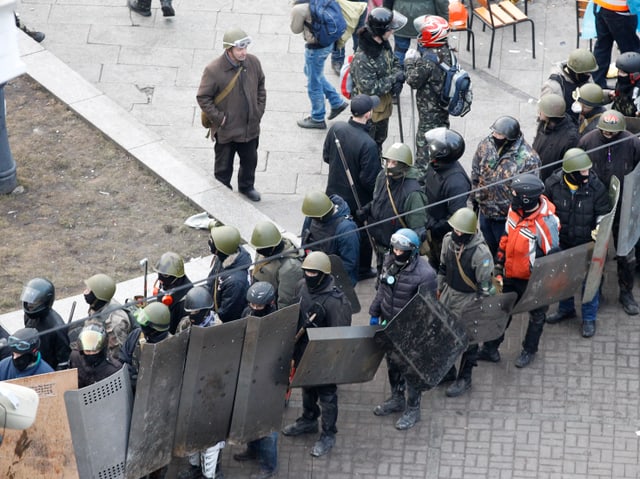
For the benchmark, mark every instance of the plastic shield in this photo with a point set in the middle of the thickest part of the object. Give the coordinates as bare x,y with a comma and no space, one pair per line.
555,277
343,281
156,405
99,439
425,338
341,355
599,256
264,375
209,386
629,230
486,318
44,449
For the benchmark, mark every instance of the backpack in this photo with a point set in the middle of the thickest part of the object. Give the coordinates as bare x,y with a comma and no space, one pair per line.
456,94
327,22
346,82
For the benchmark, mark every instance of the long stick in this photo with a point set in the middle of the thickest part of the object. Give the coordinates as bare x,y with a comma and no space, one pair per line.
400,120
413,122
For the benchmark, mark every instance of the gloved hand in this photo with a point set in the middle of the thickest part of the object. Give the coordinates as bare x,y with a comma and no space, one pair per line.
594,232
396,88
360,215
400,77
316,316
498,273
374,320
412,54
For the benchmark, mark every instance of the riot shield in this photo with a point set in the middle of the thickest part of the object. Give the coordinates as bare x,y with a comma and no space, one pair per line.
599,256
341,355
425,338
44,449
99,439
629,229
264,375
343,281
555,277
486,318
209,386
156,405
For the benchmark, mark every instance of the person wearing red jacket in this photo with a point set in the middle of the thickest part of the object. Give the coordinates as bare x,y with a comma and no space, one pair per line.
532,230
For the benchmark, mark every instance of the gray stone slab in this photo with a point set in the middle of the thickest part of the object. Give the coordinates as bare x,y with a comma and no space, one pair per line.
156,56
142,76
70,53
89,14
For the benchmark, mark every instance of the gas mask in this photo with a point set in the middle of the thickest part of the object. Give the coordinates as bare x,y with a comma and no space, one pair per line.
576,107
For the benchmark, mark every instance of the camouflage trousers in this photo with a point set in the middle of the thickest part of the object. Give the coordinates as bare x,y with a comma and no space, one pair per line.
427,122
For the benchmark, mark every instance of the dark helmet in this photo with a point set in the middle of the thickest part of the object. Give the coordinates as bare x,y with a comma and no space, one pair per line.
317,261
103,286
405,239
197,299
612,121
156,316
38,296
382,20
444,145
507,126
629,62
575,159
464,220
261,293
170,264
25,340
93,337
265,235
528,187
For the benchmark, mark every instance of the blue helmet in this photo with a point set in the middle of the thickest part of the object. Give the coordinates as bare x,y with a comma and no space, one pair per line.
405,239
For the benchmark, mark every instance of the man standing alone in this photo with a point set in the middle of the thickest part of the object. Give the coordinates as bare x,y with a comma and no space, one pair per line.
233,98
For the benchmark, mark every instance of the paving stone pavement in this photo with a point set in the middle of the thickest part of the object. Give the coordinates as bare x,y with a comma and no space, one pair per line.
574,413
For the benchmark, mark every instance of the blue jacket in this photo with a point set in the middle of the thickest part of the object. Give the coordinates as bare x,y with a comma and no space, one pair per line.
9,371
339,231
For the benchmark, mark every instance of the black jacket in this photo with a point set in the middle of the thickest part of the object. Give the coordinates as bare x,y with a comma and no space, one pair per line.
88,375
552,140
178,291
444,182
54,346
578,212
361,154
229,289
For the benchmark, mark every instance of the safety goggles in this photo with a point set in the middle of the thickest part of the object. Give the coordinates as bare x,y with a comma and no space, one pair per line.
401,242
243,42
17,344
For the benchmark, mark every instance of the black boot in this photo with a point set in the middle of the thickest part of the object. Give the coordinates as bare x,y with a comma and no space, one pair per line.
37,36
167,8
141,7
396,403
459,387
449,377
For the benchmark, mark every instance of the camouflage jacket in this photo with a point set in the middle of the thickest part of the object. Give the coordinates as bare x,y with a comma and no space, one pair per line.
490,166
374,70
427,78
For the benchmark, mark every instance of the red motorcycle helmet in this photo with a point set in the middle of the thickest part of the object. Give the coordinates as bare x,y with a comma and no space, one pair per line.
432,30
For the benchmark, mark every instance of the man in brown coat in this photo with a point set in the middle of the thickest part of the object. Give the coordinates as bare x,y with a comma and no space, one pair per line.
233,97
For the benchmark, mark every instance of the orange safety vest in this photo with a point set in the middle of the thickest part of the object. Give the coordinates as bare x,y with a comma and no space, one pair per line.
615,5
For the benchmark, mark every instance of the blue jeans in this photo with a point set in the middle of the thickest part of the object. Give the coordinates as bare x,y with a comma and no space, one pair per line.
318,87
589,310
492,230
266,450
338,54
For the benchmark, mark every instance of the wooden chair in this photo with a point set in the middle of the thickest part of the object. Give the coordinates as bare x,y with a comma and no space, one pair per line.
581,8
500,15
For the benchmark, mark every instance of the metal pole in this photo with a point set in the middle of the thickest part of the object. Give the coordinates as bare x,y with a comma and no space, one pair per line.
8,178
400,119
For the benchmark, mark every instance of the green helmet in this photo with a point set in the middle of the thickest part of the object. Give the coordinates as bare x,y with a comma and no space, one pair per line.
590,94
226,239
464,220
317,261
265,235
170,264
156,315
582,61
612,120
235,37
552,105
399,152
316,204
103,286
575,159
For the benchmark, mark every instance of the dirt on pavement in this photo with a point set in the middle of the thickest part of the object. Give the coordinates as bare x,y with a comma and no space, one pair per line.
87,207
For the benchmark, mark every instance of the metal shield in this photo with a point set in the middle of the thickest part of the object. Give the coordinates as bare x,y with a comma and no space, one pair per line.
156,405
209,386
341,355
629,229
99,439
264,375
425,338
486,318
343,281
44,449
555,277
599,256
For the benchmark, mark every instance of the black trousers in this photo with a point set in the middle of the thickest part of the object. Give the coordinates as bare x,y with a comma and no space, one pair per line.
327,397
223,165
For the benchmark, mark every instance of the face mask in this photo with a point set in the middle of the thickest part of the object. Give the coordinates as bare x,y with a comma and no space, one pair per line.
498,142
397,171
22,362
198,317
166,281
575,178
94,359
402,258
576,107
258,313
313,282
151,335
460,239
90,298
